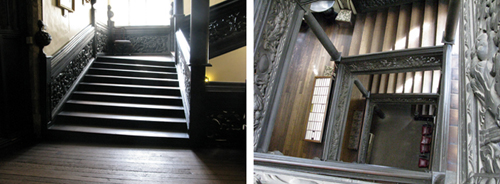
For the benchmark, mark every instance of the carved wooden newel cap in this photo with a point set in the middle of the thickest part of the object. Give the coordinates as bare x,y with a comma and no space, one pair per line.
42,38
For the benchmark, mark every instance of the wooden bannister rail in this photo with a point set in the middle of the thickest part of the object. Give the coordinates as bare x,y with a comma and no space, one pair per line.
184,70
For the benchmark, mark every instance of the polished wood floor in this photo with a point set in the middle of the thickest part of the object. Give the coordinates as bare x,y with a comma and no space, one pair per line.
63,162
309,60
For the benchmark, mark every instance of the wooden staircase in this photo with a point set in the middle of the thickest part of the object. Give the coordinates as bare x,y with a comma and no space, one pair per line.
419,24
126,98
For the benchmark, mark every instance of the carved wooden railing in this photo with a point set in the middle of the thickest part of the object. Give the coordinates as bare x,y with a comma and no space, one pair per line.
184,70
60,73
227,27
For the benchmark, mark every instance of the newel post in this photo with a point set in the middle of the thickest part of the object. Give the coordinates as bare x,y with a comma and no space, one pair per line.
200,13
178,15
111,24
43,39
93,21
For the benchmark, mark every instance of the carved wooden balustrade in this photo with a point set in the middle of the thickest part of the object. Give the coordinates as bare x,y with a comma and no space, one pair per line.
227,27
276,26
64,69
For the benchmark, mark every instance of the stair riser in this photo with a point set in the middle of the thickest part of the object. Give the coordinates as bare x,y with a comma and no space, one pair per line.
105,98
166,69
171,92
98,122
132,74
114,139
124,110
142,62
130,81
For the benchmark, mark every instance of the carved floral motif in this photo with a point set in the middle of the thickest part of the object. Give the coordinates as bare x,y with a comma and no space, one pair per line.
151,43
227,26
102,39
267,59
418,100
394,63
341,108
370,5
482,87
61,83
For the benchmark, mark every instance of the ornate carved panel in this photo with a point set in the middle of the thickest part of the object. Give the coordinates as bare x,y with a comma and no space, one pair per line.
365,135
373,5
480,86
405,98
395,63
61,83
338,112
268,55
150,43
227,26
102,39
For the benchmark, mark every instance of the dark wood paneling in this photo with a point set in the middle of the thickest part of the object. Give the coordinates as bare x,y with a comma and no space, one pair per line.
226,112
15,93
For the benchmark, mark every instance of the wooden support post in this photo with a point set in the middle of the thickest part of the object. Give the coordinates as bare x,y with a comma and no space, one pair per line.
452,21
200,13
111,24
93,22
43,39
178,16
322,37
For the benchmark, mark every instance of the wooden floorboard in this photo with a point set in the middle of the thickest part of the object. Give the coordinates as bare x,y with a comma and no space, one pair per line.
70,162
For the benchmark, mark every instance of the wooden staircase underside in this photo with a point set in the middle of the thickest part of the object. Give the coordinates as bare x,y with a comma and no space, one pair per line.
414,25
125,96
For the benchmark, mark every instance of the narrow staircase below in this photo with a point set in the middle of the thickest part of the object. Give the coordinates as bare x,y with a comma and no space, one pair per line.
125,98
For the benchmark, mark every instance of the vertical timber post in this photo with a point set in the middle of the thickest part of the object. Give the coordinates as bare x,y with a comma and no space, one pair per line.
43,39
92,19
178,16
111,24
200,13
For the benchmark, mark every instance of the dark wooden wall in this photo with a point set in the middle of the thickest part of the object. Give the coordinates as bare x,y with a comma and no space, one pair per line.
15,96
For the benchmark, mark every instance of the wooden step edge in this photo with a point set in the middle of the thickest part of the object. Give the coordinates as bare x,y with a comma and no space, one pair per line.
134,65
132,78
133,71
120,131
126,105
128,85
160,59
128,95
121,117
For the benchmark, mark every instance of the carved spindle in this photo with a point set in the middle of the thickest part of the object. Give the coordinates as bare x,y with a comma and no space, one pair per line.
42,39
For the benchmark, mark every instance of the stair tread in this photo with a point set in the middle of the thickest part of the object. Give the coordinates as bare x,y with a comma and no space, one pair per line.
120,104
130,64
129,85
120,131
142,58
131,78
122,117
127,95
136,71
